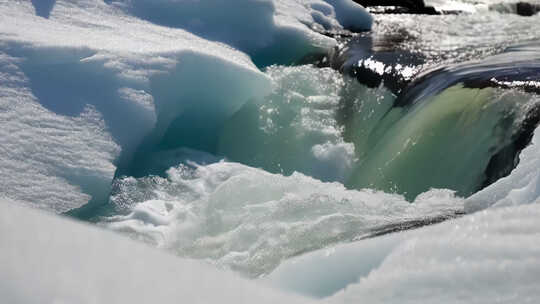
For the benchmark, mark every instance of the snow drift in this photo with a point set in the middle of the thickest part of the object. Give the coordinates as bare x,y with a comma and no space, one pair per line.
487,257
86,86
47,259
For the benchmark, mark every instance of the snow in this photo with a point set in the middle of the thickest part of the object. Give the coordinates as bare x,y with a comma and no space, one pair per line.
486,257
108,82
50,161
86,86
270,31
351,15
48,259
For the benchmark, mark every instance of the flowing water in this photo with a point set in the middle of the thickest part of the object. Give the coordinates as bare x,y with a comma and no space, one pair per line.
418,121
445,111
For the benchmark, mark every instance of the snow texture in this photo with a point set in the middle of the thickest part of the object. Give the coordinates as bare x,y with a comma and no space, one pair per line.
270,31
83,88
48,259
486,257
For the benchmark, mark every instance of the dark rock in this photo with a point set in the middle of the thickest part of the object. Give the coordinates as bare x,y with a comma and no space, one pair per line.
402,3
526,9
503,162
412,224
375,59
520,8
428,10
398,7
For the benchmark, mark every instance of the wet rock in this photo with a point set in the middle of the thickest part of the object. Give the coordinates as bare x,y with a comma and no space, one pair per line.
502,163
398,7
376,59
527,9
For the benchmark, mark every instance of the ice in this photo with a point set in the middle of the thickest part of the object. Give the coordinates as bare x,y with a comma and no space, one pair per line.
135,80
270,31
351,15
486,257
249,220
87,85
48,259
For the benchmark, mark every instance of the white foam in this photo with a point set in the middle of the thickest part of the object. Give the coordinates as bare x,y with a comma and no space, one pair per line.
249,220
476,6
296,127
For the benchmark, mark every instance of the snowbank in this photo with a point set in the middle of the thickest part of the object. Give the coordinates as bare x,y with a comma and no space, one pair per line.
487,257
270,31
83,87
47,259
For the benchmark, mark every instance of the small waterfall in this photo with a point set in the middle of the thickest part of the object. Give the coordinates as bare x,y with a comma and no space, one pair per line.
459,127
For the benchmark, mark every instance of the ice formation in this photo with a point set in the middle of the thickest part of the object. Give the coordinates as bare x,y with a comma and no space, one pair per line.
123,81
91,90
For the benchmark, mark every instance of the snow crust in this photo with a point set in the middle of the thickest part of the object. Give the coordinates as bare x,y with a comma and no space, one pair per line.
48,259
49,160
486,257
